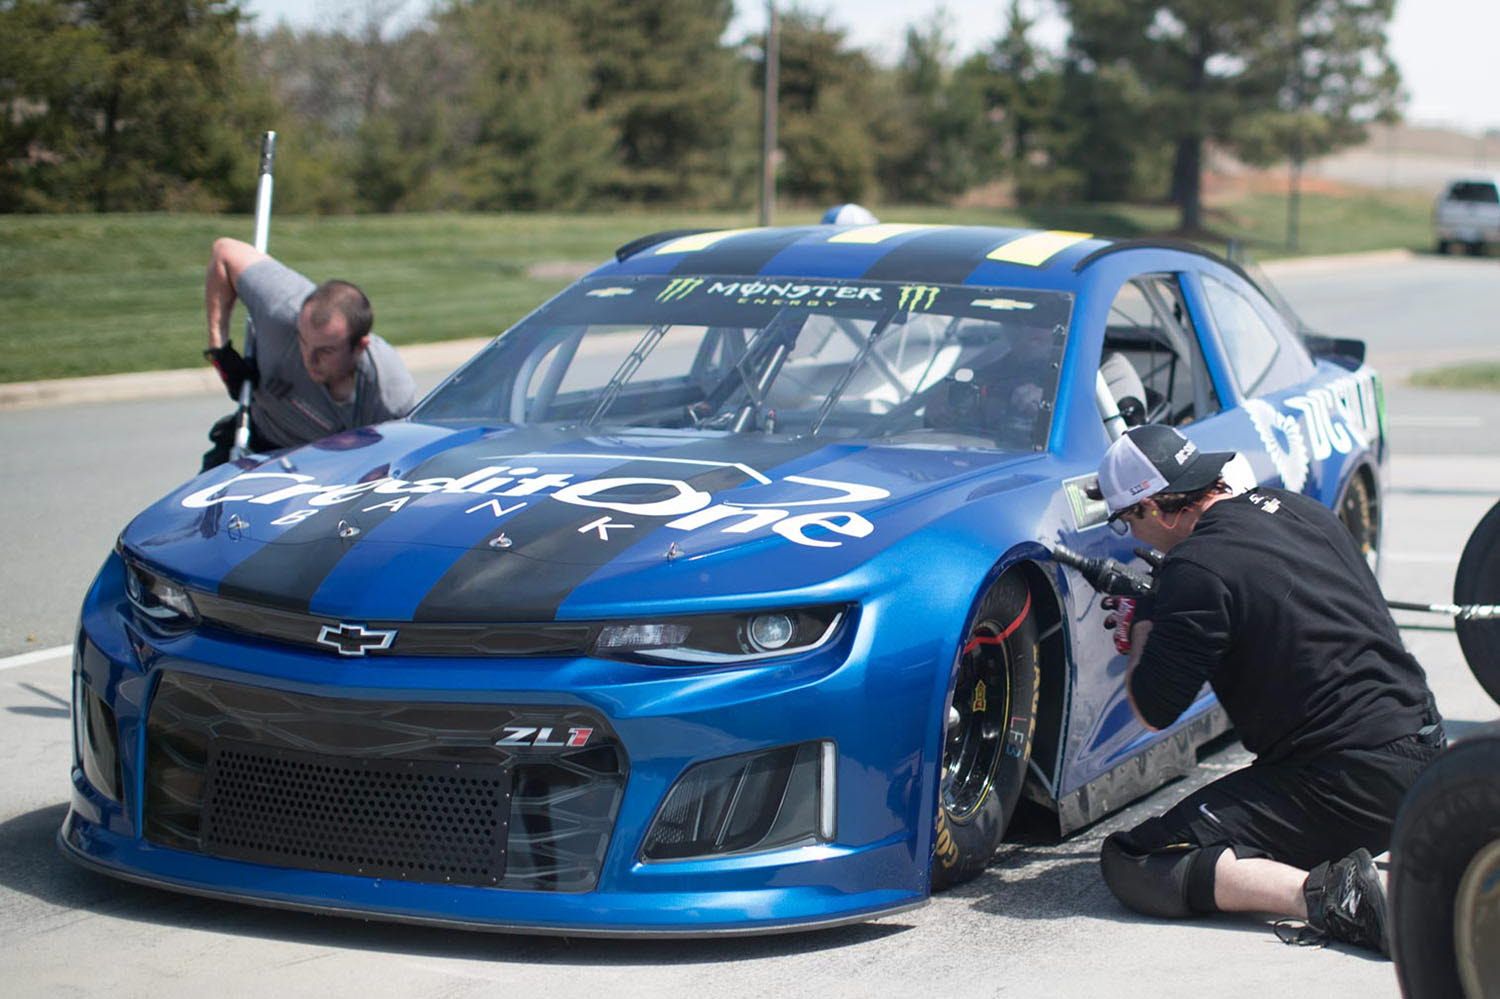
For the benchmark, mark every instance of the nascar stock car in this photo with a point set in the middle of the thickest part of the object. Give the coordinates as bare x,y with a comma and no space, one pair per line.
715,595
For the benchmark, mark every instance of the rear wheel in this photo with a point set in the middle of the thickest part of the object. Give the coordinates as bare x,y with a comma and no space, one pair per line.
1357,511
1475,249
989,723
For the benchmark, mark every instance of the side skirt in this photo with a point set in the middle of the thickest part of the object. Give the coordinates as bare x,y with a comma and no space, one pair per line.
1172,757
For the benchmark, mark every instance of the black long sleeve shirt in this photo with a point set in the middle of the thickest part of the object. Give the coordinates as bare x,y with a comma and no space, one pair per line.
1271,603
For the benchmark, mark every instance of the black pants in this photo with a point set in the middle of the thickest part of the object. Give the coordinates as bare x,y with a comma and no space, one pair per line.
221,435
1299,813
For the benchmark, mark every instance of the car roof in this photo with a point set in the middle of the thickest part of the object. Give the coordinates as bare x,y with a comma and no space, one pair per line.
939,254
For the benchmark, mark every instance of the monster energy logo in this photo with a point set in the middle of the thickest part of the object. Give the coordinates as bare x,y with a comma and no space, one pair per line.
917,297
679,288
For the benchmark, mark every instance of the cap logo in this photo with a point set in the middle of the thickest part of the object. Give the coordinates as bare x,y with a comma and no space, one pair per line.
1188,450
1140,487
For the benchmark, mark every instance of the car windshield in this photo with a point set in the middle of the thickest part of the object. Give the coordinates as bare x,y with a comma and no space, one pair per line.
902,363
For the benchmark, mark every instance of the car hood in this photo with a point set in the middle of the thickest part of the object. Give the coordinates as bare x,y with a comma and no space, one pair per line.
451,522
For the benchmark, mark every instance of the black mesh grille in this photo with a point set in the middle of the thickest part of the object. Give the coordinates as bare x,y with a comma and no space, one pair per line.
563,799
415,820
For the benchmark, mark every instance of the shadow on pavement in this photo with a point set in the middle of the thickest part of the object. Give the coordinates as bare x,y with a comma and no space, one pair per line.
30,863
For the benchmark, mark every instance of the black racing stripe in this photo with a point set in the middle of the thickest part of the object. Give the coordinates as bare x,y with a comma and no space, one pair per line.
745,254
288,571
943,256
550,556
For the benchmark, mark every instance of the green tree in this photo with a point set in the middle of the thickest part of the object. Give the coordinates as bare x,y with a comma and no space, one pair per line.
1019,131
936,153
833,112
675,96
1331,76
1240,72
1190,57
521,133
124,105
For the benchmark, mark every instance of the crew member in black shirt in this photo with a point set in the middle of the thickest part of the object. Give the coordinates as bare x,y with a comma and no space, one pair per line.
1265,597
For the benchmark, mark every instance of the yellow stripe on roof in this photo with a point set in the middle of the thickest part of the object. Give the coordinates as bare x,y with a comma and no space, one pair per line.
878,233
1037,248
700,241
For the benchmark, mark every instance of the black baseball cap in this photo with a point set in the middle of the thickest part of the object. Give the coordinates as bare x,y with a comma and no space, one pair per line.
1154,459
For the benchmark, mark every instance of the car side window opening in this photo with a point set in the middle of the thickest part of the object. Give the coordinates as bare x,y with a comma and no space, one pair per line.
1263,354
1152,364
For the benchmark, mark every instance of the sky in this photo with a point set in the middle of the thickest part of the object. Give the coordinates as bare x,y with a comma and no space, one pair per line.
1445,48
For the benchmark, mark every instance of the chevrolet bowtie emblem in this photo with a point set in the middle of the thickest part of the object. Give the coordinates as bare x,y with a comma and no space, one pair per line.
355,639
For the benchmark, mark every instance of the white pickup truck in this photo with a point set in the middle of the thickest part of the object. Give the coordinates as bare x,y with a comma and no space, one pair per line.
1468,213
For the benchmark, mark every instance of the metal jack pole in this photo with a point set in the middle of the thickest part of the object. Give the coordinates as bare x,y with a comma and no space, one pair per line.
262,239
768,130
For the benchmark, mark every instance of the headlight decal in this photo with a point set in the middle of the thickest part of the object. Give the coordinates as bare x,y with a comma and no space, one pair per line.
722,639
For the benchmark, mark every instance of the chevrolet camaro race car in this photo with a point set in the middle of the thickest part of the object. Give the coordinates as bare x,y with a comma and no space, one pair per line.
714,596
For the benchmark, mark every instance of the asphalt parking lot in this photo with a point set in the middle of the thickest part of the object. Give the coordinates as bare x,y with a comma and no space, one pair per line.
1038,922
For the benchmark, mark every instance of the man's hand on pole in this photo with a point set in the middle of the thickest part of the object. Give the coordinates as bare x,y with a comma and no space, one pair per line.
234,370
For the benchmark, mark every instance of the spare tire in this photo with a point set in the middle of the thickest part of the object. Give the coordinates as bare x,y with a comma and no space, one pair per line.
1478,582
1445,875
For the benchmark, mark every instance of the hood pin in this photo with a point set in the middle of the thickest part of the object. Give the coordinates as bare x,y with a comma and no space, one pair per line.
673,552
236,526
500,541
347,530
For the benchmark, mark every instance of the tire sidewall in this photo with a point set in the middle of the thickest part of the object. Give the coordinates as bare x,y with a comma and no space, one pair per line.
963,846
1477,581
1448,816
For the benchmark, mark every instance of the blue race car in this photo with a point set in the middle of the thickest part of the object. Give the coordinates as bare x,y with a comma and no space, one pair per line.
713,596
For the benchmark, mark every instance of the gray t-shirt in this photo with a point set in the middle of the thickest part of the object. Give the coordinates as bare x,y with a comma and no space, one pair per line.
288,407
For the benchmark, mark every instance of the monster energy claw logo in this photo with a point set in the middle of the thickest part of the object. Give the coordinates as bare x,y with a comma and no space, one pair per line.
917,297
679,288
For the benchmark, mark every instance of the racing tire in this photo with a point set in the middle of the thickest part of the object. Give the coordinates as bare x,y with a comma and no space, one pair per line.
989,722
1478,582
1445,875
1474,249
1442,247
1358,514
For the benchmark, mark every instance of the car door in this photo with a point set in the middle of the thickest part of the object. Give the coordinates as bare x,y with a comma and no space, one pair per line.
1154,354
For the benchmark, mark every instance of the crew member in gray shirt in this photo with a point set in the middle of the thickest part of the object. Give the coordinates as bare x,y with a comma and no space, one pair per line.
317,368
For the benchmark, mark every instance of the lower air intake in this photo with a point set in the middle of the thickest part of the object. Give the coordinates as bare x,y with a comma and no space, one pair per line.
413,820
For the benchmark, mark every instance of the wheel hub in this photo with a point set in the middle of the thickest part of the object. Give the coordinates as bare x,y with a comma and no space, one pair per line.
1476,924
975,722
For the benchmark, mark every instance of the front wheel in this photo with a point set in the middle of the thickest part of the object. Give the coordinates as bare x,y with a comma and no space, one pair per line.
988,725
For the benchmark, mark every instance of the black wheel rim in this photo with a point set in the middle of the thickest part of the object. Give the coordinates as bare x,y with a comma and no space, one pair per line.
1357,516
974,736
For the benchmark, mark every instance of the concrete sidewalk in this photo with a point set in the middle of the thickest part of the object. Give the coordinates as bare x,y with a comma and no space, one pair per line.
437,357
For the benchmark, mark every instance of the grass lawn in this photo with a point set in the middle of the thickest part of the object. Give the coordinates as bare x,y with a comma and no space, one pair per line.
1481,375
92,294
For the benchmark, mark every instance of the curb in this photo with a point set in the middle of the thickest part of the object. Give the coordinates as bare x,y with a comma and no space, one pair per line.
174,383
437,357
1335,262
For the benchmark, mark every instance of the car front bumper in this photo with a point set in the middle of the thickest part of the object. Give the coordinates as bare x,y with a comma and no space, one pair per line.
880,718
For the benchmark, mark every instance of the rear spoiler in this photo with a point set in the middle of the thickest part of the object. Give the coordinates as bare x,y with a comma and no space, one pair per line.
1348,353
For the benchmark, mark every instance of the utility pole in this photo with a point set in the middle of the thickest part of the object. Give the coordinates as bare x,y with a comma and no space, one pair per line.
768,127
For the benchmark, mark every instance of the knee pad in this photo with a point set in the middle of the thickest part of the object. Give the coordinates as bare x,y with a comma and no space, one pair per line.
1172,882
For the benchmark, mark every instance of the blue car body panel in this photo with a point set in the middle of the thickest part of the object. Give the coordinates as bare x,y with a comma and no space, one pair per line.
914,538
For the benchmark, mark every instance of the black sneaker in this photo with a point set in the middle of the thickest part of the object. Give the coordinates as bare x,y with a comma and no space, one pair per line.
1346,902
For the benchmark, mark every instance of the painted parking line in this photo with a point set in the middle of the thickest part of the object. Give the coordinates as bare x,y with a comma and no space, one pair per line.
39,656
1435,421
